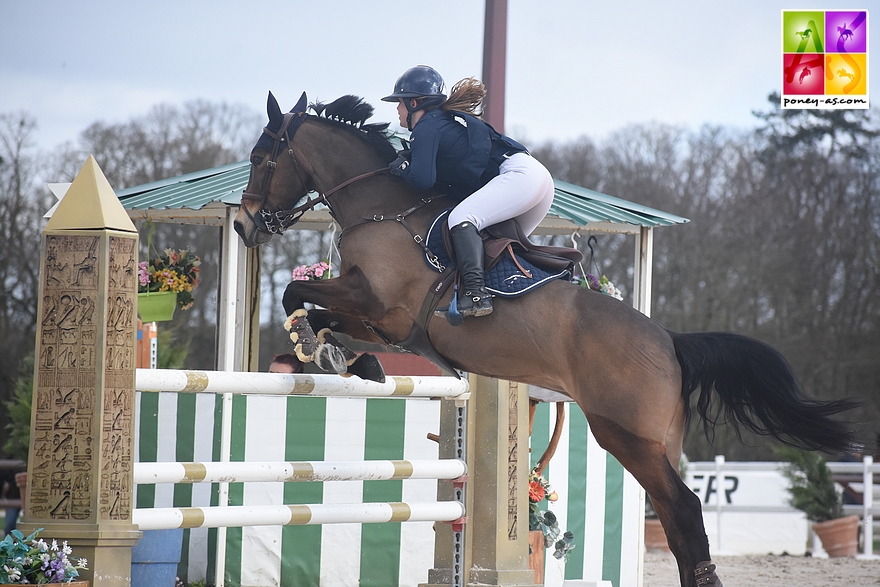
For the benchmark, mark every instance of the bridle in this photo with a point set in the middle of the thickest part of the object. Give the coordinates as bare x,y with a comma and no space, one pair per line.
270,218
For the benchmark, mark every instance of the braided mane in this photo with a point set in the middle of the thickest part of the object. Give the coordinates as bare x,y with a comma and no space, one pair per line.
351,113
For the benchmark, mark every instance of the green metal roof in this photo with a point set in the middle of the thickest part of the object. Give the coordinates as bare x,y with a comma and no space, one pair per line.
582,206
224,185
193,190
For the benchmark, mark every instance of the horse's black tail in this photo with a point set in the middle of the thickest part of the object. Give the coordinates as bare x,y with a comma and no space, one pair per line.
758,390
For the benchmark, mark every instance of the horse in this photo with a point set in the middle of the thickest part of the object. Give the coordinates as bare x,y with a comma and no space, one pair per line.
632,378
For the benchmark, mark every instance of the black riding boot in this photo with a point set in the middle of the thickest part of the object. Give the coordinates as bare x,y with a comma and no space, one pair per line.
473,299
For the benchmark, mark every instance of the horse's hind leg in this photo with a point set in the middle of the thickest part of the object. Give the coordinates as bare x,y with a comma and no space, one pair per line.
678,508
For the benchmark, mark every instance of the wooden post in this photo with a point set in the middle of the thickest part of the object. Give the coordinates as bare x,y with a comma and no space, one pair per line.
495,62
82,435
496,545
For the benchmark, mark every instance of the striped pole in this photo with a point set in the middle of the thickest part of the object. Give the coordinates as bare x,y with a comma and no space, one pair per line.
298,384
236,516
234,472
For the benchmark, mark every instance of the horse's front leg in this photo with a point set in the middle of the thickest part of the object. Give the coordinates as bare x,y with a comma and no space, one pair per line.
345,292
350,293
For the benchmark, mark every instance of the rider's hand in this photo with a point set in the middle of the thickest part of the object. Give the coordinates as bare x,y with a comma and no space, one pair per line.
402,162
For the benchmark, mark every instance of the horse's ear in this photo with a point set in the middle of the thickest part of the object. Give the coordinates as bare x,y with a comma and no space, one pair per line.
301,105
273,109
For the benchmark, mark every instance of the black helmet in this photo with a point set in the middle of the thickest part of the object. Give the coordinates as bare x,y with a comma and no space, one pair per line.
420,81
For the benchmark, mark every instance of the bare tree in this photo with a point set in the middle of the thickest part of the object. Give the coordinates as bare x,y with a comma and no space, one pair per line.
21,208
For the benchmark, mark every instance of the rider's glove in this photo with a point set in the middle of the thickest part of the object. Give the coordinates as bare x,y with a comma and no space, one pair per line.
398,165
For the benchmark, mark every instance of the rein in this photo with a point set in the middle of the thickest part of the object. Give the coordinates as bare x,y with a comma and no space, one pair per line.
274,220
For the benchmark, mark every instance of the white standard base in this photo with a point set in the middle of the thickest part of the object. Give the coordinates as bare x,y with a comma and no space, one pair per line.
581,583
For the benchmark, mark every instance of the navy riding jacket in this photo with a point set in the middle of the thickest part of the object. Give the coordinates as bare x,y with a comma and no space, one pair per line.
455,150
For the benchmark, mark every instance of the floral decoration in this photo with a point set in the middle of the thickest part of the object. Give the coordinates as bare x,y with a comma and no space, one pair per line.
175,271
312,272
601,285
545,520
26,561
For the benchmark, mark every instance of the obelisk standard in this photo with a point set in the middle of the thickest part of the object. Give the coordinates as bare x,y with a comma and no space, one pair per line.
82,435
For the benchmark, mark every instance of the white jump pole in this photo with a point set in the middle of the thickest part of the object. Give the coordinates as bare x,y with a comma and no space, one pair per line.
271,515
226,382
237,472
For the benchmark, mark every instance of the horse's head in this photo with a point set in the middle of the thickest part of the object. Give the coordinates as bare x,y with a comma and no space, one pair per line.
333,150
268,201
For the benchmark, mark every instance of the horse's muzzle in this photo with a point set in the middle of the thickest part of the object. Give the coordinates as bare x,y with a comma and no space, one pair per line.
249,233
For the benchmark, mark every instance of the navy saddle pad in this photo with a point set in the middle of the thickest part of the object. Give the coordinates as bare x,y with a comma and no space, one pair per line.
505,278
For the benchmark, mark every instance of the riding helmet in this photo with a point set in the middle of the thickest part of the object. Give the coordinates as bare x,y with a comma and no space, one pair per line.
420,81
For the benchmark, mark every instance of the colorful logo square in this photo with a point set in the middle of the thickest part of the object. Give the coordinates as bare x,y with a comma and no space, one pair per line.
846,32
803,32
825,59
846,74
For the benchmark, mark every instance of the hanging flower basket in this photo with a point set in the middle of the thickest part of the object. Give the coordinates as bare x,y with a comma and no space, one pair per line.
166,282
157,306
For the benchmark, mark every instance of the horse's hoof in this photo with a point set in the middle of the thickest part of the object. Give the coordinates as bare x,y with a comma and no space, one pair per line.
705,574
368,367
325,335
330,358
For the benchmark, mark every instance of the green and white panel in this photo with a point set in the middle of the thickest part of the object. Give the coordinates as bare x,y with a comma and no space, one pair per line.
598,502
185,427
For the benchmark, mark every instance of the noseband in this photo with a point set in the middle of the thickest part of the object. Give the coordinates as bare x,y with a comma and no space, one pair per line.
270,218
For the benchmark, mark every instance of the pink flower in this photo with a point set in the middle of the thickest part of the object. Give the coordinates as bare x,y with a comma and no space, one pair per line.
143,273
310,272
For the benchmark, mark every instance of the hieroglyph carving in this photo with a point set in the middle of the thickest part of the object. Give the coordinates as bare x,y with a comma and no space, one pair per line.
512,460
65,441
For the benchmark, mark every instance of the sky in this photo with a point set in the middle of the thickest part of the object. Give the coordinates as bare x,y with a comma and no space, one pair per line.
574,67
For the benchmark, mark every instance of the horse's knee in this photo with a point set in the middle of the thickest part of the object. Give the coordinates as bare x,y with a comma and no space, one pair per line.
291,299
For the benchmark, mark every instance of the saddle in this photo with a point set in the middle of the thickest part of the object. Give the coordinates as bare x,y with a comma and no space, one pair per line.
507,237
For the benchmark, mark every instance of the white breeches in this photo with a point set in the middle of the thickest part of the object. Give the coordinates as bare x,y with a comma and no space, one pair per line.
523,190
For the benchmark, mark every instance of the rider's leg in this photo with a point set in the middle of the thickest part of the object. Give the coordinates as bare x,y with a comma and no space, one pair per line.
473,299
523,190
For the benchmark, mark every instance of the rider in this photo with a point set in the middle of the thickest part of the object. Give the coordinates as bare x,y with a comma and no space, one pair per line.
494,176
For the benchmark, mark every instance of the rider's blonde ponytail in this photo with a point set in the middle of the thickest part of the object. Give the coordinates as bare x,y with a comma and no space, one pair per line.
466,96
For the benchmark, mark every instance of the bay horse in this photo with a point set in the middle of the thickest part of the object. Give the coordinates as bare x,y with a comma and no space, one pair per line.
632,378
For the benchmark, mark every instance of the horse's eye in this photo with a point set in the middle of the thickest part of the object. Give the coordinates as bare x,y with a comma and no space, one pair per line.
256,160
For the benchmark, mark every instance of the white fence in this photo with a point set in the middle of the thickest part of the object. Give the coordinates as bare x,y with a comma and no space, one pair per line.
746,510
291,513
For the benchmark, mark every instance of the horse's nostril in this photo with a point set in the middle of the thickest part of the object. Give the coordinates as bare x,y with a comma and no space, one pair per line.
239,228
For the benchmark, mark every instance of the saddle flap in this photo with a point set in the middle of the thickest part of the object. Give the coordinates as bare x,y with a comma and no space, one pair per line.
511,230
506,236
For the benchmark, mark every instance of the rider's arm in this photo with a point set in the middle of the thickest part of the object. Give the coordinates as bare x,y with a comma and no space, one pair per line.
422,170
